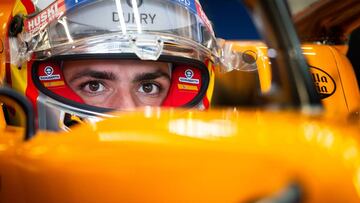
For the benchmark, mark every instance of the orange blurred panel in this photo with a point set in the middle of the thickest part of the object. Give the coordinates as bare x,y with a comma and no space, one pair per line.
5,11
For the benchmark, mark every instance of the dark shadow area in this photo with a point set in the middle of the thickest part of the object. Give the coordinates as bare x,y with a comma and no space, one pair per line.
353,53
236,88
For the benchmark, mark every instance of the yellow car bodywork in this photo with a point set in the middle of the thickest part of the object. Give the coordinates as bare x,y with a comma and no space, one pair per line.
332,74
179,155
168,155
220,155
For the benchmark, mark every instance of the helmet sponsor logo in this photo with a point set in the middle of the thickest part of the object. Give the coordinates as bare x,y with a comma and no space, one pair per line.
48,70
189,4
129,18
188,87
185,2
324,83
54,84
52,12
138,3
203,16
189,74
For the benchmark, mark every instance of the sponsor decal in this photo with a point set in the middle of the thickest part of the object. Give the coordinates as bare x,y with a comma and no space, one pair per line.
203,16
138,3
145,18
189,4
49,14
48,70
189,74
188,87
71,3
54,84
324,83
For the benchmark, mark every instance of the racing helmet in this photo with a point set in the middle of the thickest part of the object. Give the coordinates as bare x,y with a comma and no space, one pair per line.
43,36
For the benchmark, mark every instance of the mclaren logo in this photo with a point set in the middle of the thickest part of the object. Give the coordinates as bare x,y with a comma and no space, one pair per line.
138,2
324,83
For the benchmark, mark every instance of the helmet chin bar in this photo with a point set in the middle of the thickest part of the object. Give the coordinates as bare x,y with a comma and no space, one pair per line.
52,114
56,116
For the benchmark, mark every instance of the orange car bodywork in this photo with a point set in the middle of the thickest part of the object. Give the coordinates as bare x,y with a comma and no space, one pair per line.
332,74
161,155
168,155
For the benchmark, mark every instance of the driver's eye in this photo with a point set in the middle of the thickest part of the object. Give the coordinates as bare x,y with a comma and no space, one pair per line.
149,88
93,86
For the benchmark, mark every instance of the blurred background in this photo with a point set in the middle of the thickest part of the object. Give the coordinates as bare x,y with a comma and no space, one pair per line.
231,20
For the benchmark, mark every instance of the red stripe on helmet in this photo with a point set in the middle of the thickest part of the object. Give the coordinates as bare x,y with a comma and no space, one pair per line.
28,4
31,92
206,102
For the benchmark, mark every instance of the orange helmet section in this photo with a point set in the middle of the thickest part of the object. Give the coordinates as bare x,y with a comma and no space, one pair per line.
16,76
5,11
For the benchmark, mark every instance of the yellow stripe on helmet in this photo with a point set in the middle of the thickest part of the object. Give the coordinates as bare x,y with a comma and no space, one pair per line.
210,89
19,74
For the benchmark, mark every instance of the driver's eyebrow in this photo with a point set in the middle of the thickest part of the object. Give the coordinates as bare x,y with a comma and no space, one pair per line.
151,76
94,74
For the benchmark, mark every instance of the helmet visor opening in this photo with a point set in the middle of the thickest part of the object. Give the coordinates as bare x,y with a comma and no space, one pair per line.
121,84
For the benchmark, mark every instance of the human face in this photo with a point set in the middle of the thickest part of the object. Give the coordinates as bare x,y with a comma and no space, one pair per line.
118,84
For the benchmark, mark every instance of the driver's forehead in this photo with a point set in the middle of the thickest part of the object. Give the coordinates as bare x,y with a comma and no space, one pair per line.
115,66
